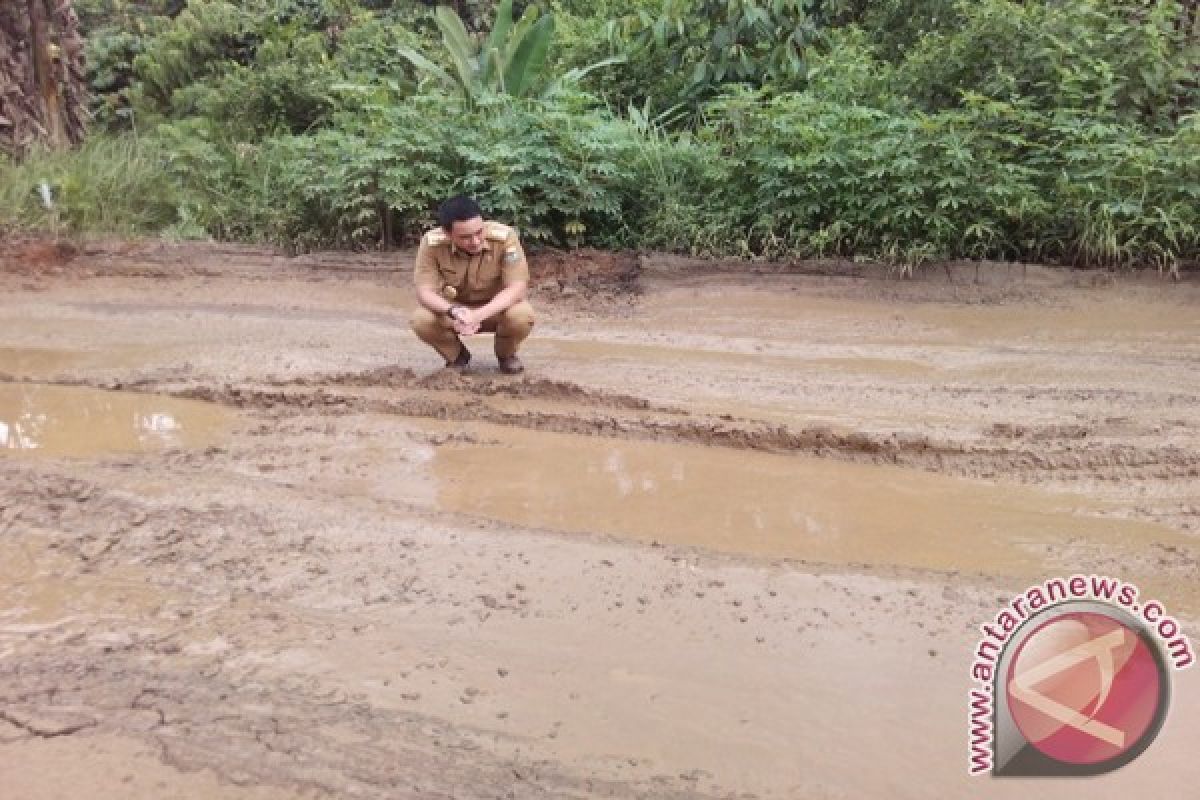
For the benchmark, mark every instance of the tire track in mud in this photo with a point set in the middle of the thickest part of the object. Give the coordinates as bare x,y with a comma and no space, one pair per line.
1026,453
1061,452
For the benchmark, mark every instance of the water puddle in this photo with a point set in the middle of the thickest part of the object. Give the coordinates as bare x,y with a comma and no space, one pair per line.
782,506
70,421
42,592
36,594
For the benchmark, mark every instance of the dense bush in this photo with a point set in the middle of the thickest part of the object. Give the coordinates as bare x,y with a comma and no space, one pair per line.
991,179
537,163
1125,59
907,130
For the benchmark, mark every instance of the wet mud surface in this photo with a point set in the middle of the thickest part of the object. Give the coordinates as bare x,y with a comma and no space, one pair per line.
731,535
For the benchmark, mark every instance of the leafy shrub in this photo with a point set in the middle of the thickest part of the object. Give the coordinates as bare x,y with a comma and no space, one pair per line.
200,42
536,164
991,179
1126,59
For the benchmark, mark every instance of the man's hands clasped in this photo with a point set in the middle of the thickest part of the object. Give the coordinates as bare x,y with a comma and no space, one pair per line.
466,320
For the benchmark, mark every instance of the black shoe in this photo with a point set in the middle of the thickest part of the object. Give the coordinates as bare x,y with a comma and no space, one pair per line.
460,363
511,365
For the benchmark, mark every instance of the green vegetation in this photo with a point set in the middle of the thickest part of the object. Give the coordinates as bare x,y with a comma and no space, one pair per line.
108,184
1063,131
510,61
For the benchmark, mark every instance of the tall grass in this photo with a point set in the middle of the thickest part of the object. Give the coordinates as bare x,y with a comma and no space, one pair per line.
109,185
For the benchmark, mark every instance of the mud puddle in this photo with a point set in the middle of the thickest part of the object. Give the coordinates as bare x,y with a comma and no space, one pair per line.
43,593
71,421
782,506
36,592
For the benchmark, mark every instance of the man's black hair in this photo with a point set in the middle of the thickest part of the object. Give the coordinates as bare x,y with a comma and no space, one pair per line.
458,209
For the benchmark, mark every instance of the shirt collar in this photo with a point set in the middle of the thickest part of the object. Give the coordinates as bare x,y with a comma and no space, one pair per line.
487,245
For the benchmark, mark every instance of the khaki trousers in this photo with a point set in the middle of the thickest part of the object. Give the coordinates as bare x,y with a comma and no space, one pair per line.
511,328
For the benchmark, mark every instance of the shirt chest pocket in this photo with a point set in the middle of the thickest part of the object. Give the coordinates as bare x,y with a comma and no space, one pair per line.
453,273
487,274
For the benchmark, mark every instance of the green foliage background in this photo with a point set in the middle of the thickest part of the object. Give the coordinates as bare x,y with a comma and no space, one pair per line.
904,130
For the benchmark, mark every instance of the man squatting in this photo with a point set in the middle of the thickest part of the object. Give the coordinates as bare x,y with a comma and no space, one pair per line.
471,276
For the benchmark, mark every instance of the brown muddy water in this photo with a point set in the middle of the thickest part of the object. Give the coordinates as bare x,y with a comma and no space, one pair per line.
37,419
781,506
39,592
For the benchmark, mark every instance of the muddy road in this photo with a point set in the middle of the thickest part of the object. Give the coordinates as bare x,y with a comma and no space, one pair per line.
731,535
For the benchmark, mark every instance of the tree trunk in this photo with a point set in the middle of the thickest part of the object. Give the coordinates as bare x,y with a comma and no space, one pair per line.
43,84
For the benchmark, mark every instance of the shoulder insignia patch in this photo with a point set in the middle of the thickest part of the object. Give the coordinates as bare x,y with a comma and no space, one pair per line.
436,237
498,232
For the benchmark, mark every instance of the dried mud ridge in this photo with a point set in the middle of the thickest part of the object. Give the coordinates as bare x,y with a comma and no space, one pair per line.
485,386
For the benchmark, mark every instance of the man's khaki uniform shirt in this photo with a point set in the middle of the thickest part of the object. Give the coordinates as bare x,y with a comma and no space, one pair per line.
475,280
